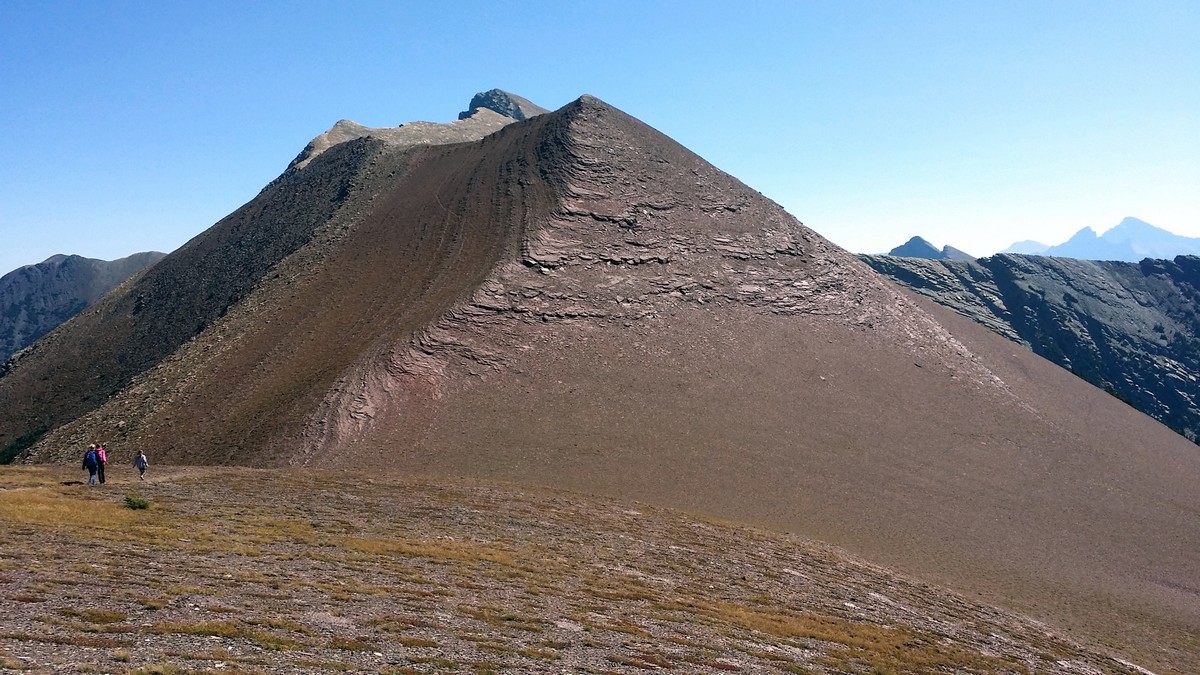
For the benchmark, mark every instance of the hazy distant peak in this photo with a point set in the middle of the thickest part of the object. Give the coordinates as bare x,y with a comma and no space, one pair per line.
1131,240
1027,247
1131,222
1132,227
1086,233
504,103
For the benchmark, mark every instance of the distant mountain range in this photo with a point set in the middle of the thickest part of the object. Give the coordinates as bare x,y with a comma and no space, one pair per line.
35,299
1130,241
917,247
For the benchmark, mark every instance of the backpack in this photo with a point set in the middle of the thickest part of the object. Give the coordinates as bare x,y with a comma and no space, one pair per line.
89,459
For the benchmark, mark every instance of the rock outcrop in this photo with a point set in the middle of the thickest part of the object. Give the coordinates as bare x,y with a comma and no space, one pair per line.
35,299
504,103
1131,329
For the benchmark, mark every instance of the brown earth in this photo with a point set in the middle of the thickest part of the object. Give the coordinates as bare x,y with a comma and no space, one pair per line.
315,571
578,302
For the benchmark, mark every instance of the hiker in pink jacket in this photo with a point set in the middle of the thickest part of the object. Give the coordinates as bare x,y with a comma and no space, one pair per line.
102,459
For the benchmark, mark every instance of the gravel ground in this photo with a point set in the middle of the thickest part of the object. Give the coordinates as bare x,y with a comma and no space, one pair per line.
242,570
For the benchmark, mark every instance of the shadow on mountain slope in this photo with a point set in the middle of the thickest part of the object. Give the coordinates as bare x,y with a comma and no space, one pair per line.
1131,329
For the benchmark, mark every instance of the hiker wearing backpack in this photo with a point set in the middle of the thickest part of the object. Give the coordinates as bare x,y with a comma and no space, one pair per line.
140,463
90,462
101,461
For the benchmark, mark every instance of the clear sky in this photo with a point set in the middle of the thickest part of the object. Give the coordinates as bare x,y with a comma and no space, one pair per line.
133,126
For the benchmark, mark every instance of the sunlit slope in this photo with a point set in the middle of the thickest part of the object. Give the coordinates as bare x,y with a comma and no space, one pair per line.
576,300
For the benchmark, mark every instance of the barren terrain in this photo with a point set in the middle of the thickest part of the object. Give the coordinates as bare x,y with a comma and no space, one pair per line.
321,571
578,302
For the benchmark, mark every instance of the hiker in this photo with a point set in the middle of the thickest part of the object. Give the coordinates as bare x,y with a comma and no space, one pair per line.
101,460
140,463
90,462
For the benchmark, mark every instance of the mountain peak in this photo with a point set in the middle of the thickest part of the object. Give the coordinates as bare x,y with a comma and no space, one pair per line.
1130,221
917,247
1086,234
504,103
1132,227
1027,247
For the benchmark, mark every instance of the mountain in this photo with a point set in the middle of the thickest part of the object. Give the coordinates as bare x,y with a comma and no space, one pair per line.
1131,329
1027,247
917,247
504,103
1144,240
34,299
1087,245
1130,241
577,301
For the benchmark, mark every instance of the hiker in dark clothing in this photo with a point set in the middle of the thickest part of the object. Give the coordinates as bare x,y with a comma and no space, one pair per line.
90,462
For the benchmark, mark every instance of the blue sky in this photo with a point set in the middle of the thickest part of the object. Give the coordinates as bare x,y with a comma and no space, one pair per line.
133,126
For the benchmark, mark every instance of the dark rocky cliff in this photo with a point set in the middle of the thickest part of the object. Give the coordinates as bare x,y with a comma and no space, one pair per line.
1132,329
500,101
35,299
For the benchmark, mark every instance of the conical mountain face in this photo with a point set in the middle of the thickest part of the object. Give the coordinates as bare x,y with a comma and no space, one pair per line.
358,289
576,300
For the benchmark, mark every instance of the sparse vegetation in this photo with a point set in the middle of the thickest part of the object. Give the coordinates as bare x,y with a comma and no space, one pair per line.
455,577
21,444
136,503
92,615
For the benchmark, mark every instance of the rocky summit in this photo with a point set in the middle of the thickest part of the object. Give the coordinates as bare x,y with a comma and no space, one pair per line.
576,301
504,103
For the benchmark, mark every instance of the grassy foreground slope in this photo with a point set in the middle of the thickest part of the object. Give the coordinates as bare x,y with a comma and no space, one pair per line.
267,571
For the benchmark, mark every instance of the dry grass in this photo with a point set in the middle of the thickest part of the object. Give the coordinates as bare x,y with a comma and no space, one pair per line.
878,649
227,629
317,572
90,615
433,550
56,507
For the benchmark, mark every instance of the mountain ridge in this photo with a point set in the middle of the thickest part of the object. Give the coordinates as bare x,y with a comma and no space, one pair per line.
918,247
35,299
577,301
1131,240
